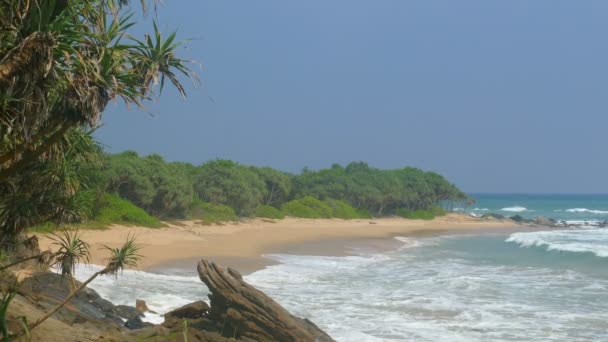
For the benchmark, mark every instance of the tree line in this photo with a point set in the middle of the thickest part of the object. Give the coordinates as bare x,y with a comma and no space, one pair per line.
168,190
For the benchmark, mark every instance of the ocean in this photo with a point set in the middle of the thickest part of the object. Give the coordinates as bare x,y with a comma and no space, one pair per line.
548,285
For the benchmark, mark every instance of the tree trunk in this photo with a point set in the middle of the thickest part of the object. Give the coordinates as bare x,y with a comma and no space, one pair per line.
35,54
31,156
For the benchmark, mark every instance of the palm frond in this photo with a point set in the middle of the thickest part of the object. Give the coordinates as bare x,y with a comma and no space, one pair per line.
125,256
72,251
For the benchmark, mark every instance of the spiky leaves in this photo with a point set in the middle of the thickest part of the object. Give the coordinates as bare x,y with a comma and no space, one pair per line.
124,257
5,301
61,63
72,251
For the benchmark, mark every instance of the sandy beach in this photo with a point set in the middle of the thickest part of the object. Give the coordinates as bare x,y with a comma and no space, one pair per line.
242,244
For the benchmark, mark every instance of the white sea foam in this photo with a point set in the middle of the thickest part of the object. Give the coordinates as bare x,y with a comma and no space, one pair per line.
408,242
585,210
162,293
481,209
425,293
515,209
569,240
406,295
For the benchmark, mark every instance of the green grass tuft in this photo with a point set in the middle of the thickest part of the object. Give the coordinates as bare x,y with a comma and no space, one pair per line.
416,214
343,210
267,211
210,213
115,210
307,207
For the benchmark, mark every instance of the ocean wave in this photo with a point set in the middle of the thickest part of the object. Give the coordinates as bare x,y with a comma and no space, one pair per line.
161,292
585,210
408,242
593,241
481,209
515,209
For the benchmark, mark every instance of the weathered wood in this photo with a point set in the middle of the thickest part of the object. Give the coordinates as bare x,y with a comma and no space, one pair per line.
248,313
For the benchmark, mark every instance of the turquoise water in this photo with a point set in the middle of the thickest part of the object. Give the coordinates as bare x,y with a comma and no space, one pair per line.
572,208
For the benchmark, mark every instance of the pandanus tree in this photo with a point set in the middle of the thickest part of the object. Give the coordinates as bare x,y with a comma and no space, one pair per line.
61,63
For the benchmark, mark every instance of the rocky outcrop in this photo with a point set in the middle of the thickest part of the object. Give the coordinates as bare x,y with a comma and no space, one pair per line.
141,306
492,216
542,221
247,313
48,289
194,310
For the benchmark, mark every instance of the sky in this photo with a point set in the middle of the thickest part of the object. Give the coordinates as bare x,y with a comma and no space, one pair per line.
498,96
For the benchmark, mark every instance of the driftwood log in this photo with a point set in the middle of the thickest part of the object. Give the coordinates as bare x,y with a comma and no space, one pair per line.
250,314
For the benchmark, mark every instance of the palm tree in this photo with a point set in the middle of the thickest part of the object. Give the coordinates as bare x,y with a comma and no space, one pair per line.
61,63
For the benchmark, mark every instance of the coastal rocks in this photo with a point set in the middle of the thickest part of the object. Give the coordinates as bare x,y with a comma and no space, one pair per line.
247,313
545,222
48,289
194,310
126,312
519,219
141,306
492,216
137,323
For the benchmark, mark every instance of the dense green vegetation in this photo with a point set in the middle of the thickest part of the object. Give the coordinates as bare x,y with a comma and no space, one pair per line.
209,213
61,63
222,190
130,189
113,209
308,207
269,212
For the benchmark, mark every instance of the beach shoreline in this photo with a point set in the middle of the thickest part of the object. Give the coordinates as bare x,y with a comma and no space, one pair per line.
242,245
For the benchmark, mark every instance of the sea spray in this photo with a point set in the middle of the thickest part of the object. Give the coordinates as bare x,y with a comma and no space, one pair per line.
162,292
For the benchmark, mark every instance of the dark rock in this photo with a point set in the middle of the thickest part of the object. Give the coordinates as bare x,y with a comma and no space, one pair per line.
141,306
137,323
519,219
247,313
48,289
493,216
192,311
544,222
126,312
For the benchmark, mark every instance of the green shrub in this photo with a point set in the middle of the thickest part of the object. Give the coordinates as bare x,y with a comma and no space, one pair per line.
307,207
438,211
416,214
210,213
364,213
113,209
343,210
267,211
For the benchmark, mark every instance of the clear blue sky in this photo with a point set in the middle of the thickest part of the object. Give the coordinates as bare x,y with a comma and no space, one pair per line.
499,96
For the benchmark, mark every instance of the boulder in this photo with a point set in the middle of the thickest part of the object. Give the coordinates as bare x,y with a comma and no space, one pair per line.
493,216
141,306
48,289
137,323
126,312
542,221
519,219
248,314
194,310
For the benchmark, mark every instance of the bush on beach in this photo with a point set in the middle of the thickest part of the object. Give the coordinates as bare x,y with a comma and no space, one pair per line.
269,212
210,213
